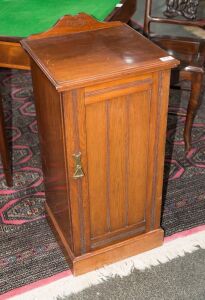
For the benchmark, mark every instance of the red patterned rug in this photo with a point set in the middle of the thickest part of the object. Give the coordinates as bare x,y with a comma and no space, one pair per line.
29,251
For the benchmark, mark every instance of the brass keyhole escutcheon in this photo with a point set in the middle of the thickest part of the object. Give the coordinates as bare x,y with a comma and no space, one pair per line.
78,172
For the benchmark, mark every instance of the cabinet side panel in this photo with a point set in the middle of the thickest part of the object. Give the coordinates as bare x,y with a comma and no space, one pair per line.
51,136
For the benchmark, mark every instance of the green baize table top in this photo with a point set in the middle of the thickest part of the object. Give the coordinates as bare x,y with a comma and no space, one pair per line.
21,18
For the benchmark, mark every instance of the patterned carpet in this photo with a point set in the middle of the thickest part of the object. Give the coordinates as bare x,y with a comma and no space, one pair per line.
29,251
184,177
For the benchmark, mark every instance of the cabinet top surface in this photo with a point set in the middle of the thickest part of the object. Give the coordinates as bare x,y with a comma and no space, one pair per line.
80,58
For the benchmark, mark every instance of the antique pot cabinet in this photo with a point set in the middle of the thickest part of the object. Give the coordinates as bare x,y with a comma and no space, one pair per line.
101,95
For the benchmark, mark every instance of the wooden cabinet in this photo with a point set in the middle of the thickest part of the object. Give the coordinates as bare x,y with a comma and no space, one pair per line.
101,99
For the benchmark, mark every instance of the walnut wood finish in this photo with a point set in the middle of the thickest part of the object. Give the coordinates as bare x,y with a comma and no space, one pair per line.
5,157
106,98
190,51
194,102
77,24
13,56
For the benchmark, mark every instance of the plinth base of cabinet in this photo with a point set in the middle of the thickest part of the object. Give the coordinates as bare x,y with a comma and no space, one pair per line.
99,258
110,254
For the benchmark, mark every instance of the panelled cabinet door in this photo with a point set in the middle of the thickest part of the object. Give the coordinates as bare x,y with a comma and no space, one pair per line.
113,127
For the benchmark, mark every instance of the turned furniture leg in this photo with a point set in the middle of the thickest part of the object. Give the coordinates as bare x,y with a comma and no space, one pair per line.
194,101
4,152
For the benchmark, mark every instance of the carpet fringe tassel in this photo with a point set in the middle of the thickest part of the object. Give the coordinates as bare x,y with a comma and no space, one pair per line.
161,255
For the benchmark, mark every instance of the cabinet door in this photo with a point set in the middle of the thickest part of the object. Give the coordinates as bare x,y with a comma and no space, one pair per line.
116,129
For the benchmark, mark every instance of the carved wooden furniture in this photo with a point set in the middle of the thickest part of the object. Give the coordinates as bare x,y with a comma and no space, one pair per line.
29,19
101,99
5,157
185,8
191,52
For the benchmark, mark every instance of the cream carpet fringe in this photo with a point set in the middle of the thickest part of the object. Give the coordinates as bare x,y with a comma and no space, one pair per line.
66,286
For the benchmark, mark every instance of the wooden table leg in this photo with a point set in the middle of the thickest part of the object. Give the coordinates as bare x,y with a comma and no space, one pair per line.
4,151
194,102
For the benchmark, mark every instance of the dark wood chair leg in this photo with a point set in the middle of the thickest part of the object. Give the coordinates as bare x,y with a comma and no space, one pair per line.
194,102
4,152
